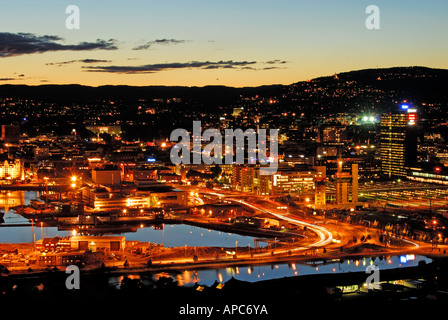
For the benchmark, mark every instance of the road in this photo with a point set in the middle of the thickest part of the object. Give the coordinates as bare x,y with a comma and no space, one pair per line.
325,238
331,234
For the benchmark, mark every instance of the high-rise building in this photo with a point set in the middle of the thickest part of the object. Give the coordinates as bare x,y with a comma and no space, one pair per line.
320,186
343,181
398,141
355,183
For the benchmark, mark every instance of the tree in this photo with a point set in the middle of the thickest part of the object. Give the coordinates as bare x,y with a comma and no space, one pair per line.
107,138
129,284
216,171
3,269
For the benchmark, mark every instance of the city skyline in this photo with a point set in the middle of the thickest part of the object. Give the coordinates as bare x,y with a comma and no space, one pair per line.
197,44
223,157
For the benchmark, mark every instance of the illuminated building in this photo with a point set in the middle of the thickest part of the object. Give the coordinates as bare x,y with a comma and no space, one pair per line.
343,181
237,111
243,178
292,181
41,153
398,141
108,175
355,183
142,175
287,179
437,175
335,134
133,197
97,243
320,186
11,169
112,130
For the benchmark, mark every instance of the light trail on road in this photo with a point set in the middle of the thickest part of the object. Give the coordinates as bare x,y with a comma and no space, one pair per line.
325,236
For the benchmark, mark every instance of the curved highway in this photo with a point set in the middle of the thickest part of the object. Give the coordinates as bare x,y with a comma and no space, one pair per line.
325,236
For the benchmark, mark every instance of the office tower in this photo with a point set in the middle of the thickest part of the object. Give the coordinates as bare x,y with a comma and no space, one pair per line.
320,184
343,181
398,141
243,177
354,183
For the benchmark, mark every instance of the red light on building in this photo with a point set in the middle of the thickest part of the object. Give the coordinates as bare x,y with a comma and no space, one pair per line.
437,169
412,118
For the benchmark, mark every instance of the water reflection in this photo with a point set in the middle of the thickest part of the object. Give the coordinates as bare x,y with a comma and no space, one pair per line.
9,199
178,235
19,229
280,270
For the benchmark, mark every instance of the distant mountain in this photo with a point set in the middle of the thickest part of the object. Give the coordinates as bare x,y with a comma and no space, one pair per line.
419,81
374,90
344,92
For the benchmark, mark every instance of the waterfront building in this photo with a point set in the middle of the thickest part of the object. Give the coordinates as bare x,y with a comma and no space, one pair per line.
97,243
11,169
142,196
81,243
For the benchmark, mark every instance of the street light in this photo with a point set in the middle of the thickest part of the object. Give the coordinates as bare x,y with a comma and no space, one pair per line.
73,185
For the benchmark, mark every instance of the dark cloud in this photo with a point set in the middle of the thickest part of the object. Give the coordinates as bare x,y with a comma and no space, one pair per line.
149,44
76,61
15,44
152,68
276,61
